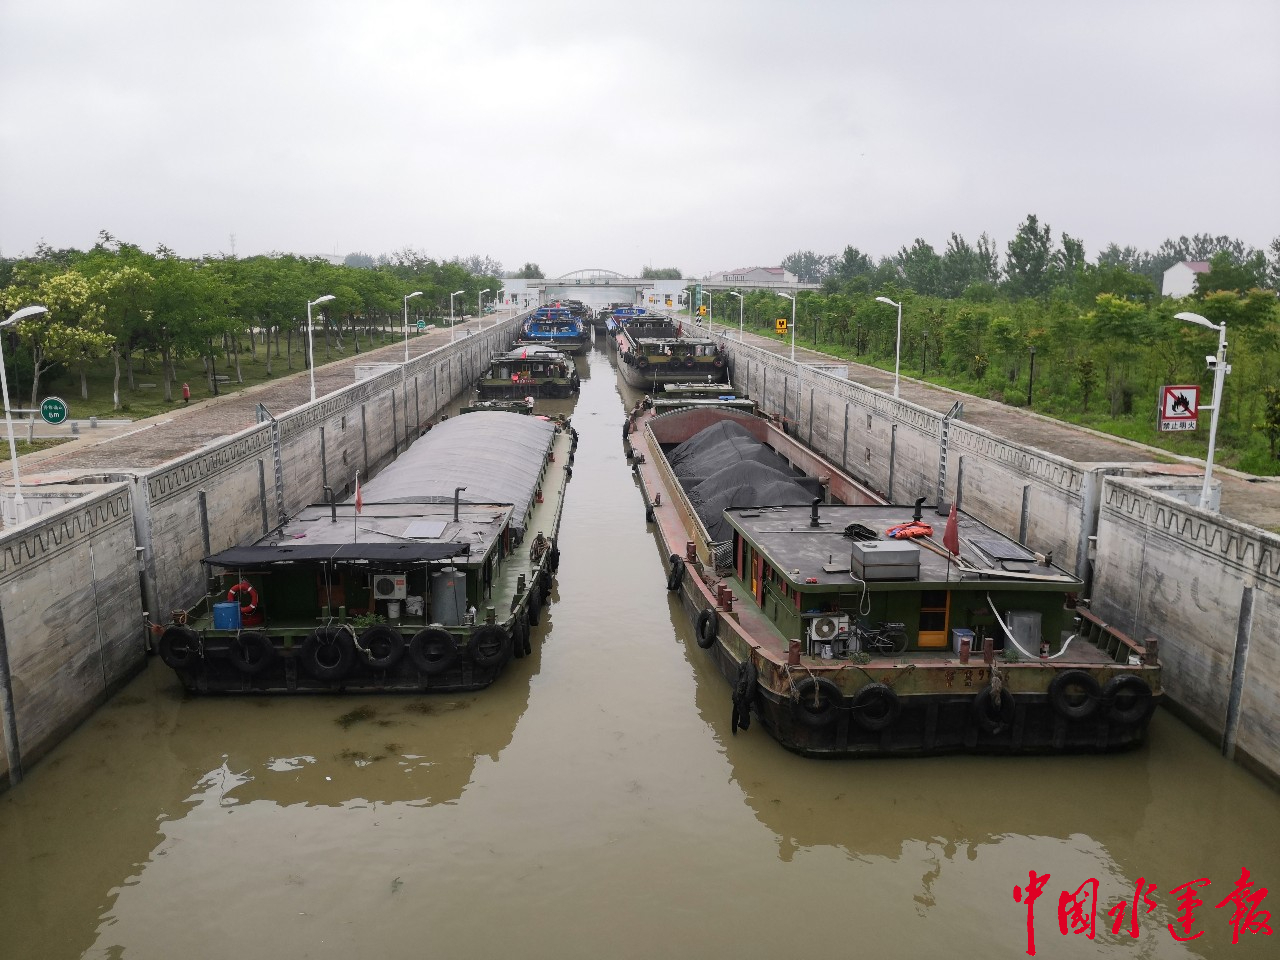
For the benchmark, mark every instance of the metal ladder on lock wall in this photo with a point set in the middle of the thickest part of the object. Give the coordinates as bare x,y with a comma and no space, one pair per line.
956,411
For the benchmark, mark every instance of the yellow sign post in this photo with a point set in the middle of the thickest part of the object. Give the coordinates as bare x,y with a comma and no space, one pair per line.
780,325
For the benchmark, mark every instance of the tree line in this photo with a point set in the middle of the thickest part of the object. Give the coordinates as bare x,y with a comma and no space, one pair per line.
118,301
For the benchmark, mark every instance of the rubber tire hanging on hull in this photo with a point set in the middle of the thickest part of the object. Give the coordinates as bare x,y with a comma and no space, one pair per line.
251,652
875,707
388,639
1075,694
676,576
179,647
1138,701
744,692
817,702
433,651
489,646
707,628
329,653
534,606
984,705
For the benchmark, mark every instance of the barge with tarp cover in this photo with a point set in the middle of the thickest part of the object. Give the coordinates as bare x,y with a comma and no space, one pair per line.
427,579
853,627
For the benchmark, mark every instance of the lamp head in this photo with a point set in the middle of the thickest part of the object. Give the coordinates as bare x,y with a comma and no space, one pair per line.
416,293
22,314
456,292
325,299
886,300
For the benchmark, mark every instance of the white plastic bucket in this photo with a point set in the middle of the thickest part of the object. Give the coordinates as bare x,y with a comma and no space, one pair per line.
393,609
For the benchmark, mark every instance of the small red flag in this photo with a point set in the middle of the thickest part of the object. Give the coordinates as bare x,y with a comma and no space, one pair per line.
524,354
359,495
951,536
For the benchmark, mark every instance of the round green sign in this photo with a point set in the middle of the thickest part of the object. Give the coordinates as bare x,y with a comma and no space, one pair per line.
53,409
422,325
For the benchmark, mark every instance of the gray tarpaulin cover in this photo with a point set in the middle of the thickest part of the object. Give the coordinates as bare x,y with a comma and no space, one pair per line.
723,466
497,456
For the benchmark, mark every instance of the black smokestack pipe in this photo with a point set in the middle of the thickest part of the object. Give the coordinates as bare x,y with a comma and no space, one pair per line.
919,514
333,506
813,516
456,491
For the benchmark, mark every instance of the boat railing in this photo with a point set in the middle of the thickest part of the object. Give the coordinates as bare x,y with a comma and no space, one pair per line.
688,516
1115,642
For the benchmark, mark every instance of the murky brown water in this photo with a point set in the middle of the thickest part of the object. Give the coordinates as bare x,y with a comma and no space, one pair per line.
593,804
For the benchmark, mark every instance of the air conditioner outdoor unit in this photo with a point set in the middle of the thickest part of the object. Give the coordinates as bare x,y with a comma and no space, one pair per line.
829,629
388,586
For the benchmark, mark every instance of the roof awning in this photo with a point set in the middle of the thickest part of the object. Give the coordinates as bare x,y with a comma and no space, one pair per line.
389,553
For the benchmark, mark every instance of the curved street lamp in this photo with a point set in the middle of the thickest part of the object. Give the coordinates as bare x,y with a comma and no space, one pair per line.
451,296
311,360
897,350
792,298
480,308
739,296
416,293
1218,364
22,314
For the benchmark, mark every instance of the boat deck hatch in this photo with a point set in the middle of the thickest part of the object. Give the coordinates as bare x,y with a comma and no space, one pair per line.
426,529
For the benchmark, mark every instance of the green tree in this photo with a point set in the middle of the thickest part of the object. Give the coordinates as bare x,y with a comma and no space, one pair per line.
661,273
530,271
72,332
809,267
1226,273
1028,259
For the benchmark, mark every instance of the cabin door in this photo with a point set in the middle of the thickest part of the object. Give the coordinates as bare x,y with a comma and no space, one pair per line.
934,611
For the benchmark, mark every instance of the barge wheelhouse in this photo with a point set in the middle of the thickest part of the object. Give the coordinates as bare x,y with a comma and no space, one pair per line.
850,626
529,370
427,580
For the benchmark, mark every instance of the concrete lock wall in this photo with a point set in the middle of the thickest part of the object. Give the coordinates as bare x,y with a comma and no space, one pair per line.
1208,588
74,590
71,618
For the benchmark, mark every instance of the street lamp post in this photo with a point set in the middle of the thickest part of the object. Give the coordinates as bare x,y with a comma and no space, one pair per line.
480,308
1031,375
739,296
792,298
311,360
8,419
416,293
708,294
1218,364
451,296
498,296
897,350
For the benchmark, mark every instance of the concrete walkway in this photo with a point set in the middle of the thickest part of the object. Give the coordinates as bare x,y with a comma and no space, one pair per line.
143,444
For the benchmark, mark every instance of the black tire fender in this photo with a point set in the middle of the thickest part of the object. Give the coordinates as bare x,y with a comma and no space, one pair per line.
875,707
433,651
179,647
1075,694
744,694
707,628
817,702
329,653
1129,699
534,606
489,646
676,576
251,652
993,717
382,646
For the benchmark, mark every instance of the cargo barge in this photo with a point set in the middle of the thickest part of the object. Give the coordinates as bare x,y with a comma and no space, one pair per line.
853,627
654,349
428,579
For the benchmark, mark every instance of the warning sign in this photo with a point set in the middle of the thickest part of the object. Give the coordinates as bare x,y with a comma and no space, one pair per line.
1179,407
780,325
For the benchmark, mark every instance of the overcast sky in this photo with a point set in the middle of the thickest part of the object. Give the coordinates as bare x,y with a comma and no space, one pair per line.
699,135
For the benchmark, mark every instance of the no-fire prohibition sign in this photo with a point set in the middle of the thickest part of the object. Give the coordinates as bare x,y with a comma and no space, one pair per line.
1179,407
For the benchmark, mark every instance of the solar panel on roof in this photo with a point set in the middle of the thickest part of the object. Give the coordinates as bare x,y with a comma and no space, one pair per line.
999,549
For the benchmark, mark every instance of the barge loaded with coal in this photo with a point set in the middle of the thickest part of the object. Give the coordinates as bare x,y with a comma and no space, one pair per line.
427,579
852,627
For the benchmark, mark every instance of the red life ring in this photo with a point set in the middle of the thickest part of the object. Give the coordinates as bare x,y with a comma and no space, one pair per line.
244,586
